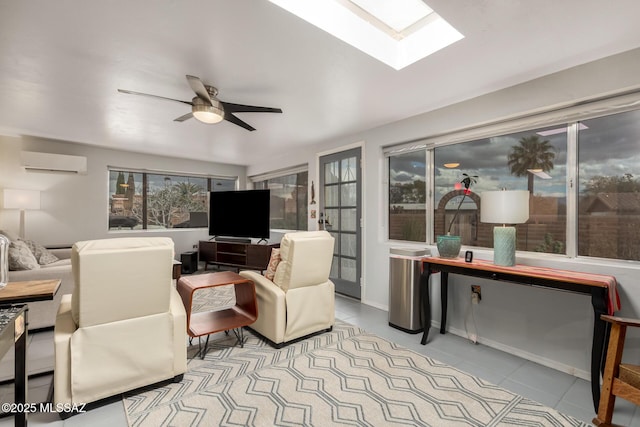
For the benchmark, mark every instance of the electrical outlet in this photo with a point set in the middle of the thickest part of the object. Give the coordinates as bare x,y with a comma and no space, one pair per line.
195,246
476,294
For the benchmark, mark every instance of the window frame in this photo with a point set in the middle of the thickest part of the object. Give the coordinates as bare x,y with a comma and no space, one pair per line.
145,189
568,115
256,180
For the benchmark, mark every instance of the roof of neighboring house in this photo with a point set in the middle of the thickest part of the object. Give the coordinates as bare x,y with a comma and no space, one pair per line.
618,202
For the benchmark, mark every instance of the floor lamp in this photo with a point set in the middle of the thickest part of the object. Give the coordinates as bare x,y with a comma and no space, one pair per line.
23,200
504,207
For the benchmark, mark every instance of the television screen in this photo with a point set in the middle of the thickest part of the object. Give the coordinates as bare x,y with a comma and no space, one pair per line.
239,213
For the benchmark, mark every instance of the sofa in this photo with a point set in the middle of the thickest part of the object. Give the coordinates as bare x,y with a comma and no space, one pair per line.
29,260
42,314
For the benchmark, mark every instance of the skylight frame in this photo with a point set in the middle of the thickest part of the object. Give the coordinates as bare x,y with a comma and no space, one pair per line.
363,8
333,16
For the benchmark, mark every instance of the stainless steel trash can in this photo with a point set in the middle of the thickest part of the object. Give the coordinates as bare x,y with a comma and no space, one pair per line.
404,289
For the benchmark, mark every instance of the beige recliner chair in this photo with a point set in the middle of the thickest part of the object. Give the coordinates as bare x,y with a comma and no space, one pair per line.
300,300
124,326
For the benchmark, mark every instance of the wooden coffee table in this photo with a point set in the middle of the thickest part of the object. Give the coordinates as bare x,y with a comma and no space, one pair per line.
244,313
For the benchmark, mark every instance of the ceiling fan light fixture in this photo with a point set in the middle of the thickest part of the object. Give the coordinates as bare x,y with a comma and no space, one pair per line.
208,114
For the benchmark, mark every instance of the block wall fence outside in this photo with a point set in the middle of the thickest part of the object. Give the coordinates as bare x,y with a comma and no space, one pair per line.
612,236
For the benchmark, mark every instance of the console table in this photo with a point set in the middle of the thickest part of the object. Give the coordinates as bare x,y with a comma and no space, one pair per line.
246,256
602,288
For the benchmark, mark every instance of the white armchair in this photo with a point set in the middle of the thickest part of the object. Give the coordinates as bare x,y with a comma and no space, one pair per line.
124,326
300,300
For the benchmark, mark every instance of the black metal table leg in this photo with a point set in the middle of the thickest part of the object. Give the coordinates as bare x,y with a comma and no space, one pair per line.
426,303
20,384
598,355
444,298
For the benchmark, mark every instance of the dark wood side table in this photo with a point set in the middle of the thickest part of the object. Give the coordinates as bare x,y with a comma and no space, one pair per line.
13,332
29,291
244,313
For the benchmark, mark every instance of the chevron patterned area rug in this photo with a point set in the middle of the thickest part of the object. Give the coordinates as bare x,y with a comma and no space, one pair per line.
343,377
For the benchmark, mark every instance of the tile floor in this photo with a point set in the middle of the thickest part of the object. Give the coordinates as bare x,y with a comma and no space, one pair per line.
564,392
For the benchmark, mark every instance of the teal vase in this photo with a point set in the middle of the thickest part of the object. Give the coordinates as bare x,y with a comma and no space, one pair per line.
448,246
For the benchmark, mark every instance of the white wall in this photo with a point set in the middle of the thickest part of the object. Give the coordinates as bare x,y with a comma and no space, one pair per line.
75,207
551,327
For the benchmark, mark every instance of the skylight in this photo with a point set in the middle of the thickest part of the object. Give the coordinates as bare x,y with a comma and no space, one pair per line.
562,129
398,32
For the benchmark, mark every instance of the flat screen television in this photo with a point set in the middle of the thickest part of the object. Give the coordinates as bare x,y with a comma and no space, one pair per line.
242,214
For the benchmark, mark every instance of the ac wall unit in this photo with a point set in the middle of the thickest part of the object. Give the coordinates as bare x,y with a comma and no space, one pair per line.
48,162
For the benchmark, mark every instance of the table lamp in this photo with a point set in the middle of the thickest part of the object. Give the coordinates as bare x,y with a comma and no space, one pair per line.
504,207
21,199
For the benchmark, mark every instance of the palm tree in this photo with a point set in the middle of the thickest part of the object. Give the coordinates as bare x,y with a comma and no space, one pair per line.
188,193
188,189
532,153
120,184
130,191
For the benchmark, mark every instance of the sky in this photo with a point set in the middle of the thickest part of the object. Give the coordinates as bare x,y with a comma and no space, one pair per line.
608,146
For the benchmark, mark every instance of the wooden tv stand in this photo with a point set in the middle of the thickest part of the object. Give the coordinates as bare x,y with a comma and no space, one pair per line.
247,256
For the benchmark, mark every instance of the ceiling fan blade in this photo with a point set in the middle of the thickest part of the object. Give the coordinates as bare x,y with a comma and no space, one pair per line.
130,92
198,87
183,118
236,121
239,108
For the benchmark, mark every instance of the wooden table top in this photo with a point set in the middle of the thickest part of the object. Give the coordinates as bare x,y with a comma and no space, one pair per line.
209,280
589,279
29,291
543,273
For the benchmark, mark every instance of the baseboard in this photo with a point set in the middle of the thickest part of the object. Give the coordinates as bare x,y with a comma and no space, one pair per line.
553,364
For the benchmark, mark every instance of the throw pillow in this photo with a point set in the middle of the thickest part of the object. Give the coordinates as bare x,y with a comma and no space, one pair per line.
42,254
9,235
270,272
21,257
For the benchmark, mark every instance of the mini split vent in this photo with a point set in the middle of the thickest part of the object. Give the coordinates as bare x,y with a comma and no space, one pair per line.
55,163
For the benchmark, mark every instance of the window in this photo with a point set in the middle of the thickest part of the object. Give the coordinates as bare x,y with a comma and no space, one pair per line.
579,164
174,201
407,196
288,200
125,202
609,187
533,160
141,200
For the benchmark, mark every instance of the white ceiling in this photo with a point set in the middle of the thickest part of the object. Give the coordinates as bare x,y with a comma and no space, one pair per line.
61,63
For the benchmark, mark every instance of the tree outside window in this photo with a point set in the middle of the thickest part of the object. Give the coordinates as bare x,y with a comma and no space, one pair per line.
533,160
160,201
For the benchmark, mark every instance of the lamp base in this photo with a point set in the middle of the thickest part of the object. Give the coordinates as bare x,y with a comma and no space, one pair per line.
504,246
21,233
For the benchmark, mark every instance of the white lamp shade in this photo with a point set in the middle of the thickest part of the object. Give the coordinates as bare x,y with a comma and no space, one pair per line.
504,207
21,199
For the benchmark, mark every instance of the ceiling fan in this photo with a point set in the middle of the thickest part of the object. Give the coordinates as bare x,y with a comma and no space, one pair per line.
206,108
